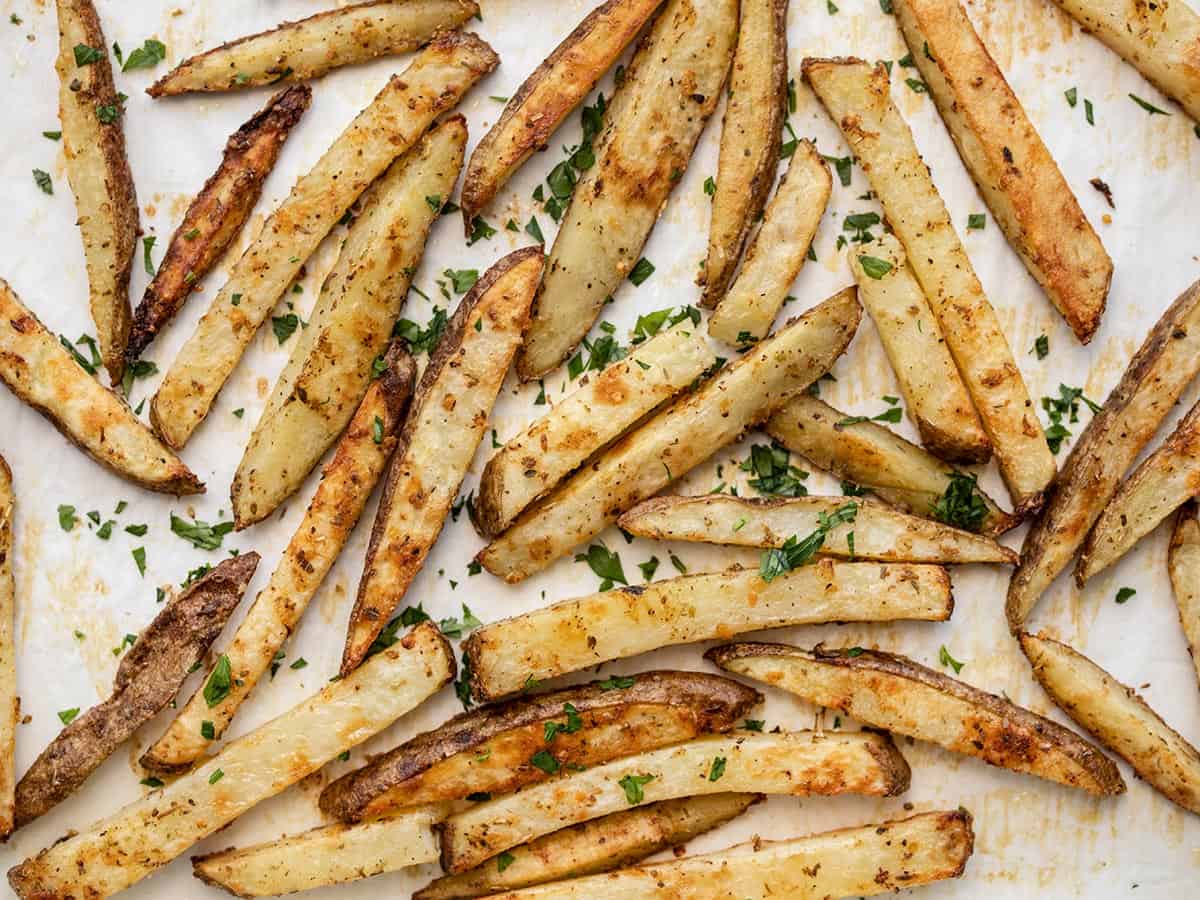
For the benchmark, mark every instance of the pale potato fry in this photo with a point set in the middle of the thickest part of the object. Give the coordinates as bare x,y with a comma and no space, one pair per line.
850,862
618,839
346,484
393,122
872,456
801,763
9,702
1157,38
651,127
935,397
1027,194
1183,564
1155,377
884,690
308,48
105,200
777,253
1118,717
41,372
331,364
576,634
749,141
675,440
879,532
548,95
605,406
449,414
140,838
857,97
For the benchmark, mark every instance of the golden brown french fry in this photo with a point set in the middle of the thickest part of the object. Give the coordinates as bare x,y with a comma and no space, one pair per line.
94,147
1183,564
857,97
548,95
1155,377
9,701
1118,717
1027,194
676,439
217,214
308,48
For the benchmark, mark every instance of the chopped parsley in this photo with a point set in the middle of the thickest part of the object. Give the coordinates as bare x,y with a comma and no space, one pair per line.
641,271
42,180
710,186
66,517
423,340
796,552
504,860
949,661
67,716
545,761
284,326
717,769
454,628
462,280
147,246
534,230
1072,96
219,682
961,505
976,222
1124,594
1064,406
377,430
605,564
616,683
85,55
774,474
139,558
632,785
649,567
216,776
842,165
874,267
200,534
574,723
1041,346
1147,106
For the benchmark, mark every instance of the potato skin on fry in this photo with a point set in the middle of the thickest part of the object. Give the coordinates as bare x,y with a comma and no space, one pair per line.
9,700
1183,564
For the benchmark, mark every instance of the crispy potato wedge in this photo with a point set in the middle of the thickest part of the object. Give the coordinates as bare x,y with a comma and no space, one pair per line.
41,371
98,170
801,763
935,397
618,839
857,97
346,484
879,532
675,440
1155,377
669,91
331,364
217,214
10,703
450,410
1118,717
311,47
547,97
1157,39
1027,194
604,407
393,122
849,862
1183,564
884,690
575,634
488,750
333,854
149,677
749,141
875,457
778,251
140,838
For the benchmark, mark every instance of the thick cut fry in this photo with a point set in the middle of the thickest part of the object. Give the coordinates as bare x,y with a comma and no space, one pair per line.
333,854
547,97
675,440
298,51
934,394
450,411
147,834
1157,38
94,146
879,532
802,763
332,363
653,122
1155,377
599,412
41,371
1118,717
1015,173
217,214
874,457
9,701
1183,563
394,121
576,634
345,486
857,97
750,142
892,692
488,751
850,862
149,676
618,839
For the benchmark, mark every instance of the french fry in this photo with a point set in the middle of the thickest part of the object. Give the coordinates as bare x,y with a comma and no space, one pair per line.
393,122
576,634
9,702
675,440
1183,564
